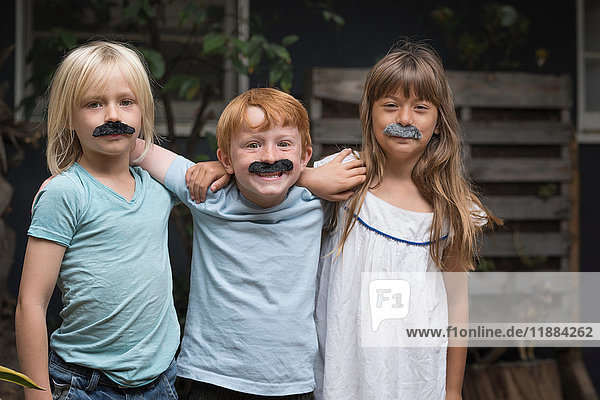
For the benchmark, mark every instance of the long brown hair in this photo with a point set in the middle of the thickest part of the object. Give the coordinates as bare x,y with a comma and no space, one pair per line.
414,68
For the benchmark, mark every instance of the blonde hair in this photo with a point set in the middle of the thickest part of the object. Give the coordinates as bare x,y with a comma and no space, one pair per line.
89,67
416,69
279,108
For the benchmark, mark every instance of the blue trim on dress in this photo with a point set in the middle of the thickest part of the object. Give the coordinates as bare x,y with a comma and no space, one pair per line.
363,223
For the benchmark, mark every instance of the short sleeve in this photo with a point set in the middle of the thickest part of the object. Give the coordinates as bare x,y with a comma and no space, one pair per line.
478,216
55,211
350,157
175,178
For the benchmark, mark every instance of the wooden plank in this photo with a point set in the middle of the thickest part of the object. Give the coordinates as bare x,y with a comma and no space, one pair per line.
336,131
470,88
528,208
519,170
516,133
347,130
340,84
554,244
510,89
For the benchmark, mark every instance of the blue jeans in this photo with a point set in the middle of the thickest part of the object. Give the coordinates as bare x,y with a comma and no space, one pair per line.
71,381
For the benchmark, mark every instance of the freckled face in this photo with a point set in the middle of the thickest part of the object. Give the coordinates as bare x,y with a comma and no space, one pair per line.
250,145
405,111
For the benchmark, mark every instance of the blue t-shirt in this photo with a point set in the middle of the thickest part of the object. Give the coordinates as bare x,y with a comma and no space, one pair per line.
115,278
250,324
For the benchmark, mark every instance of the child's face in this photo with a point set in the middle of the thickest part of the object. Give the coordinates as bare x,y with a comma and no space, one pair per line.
250,145
405,111
115,102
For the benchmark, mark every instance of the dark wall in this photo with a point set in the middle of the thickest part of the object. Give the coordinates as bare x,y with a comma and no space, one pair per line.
589,223
7,38
373,26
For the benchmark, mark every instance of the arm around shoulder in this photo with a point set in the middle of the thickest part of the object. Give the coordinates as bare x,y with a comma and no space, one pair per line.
334,180
156,161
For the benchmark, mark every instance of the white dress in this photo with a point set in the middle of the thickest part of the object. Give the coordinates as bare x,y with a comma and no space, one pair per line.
352,363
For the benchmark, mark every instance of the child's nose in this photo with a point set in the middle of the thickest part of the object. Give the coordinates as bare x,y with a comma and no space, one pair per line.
112,113
404,117
269,154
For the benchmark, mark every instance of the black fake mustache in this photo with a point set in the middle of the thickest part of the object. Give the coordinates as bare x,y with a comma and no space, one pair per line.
113,128
258,167
397,130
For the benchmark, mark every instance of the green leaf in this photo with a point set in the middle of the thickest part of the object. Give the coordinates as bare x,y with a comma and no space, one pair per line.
240,46
7,374
185,14
281,52
275,74
239,67
254,60
339,20
214,43
189,87
286,80
255,44
268,48
156,62
289,40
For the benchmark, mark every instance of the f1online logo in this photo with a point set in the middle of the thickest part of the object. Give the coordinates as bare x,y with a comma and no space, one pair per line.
389,299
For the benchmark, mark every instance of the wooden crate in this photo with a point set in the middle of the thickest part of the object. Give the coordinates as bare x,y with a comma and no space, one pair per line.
519,151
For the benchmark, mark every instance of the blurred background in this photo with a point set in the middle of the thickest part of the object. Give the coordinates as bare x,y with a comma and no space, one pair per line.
526,79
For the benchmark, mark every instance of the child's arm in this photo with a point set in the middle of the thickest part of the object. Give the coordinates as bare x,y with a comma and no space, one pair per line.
458,313
333,181
40,271
203,174
158,159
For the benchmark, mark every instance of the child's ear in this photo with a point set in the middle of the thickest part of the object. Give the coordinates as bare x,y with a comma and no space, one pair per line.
306,156
225,160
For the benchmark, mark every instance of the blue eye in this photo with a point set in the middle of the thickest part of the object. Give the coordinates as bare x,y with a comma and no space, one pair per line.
126,103
94,104
285,144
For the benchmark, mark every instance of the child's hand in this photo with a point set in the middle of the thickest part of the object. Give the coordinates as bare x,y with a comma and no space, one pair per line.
202,175
334,180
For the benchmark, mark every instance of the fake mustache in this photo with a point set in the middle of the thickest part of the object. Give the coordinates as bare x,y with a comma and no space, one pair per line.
113,128
258,167
397,130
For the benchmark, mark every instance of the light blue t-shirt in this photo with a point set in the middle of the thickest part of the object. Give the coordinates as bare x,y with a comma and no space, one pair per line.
115,278
250,324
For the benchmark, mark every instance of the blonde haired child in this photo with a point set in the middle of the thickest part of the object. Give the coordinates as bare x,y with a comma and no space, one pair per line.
415,212
99,231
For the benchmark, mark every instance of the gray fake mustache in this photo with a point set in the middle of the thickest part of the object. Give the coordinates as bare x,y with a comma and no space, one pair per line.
113,128
258,167
397,130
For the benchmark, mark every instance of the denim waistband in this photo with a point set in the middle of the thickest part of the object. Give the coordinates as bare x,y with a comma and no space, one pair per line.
95,377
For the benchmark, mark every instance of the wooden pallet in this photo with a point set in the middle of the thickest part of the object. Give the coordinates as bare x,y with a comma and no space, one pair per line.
519,140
